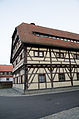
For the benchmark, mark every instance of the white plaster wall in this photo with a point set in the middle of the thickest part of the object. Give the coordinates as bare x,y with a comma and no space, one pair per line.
61,84
19,86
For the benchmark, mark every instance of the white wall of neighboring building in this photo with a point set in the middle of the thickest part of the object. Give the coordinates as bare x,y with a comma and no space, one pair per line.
5,78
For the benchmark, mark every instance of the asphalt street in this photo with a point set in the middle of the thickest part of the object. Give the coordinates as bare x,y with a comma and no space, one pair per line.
35,107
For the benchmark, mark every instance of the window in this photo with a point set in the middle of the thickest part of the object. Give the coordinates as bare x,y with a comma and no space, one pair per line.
41,54
1,73
21,57
76,56
54,37
77,76
14,80
16,62
59,55
7,79
17,80
38,53
41,78
61,77
10,73
21,79
7,73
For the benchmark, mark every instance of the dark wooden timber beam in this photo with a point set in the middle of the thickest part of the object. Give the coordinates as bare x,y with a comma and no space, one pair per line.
51,65
70,69
25,69
51,68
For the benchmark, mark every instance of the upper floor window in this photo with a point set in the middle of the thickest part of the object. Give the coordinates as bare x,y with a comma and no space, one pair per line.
21,56
5,73
1,73
41,54
77,76
38,53
59,55
16,61
76,56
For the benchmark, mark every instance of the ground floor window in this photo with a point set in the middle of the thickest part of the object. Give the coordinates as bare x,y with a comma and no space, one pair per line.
22,81
41,78
18,80
77,76
7,79
61,77
14,80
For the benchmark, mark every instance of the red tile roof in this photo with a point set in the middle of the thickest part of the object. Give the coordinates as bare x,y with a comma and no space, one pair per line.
25,28
25,33
6,75
6,68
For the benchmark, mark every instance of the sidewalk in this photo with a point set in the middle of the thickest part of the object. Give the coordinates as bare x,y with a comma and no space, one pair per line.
9,92
67,114
51,91
16,92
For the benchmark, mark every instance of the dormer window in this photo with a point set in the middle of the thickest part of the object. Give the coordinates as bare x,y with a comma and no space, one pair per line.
54,37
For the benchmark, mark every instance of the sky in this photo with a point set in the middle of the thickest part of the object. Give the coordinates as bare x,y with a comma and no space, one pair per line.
57,14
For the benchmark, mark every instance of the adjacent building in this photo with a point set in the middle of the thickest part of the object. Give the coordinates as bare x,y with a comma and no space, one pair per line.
6,73
44,58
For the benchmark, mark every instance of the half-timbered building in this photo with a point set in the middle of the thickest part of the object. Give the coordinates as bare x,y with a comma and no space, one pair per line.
44,58
6,73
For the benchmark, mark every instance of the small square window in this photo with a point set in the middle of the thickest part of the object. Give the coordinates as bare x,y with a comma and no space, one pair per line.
57,54
41,54
77,56
1,73
61,55
7,73
36,54
7,79
61,77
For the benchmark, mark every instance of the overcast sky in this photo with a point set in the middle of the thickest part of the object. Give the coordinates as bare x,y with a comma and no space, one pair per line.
58,14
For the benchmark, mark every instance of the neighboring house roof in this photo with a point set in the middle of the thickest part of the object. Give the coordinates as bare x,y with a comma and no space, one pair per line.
25,32
7,68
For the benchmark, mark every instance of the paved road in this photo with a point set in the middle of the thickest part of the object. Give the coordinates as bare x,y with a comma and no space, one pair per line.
34,107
